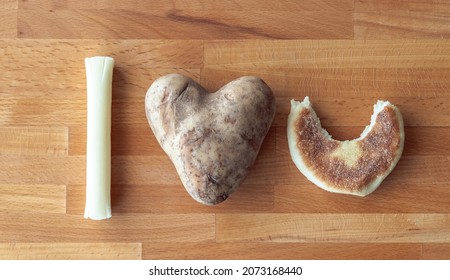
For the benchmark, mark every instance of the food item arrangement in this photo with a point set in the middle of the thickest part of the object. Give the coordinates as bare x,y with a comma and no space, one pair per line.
212,138
354,167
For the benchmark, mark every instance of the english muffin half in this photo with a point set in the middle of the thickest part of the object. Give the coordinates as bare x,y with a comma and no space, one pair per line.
355,166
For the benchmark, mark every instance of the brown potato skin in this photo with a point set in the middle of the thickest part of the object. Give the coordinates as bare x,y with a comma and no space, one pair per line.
213,139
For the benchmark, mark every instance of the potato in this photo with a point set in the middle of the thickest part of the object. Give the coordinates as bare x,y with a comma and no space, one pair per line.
212,139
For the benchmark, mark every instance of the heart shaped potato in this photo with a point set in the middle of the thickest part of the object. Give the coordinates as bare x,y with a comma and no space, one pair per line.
212,138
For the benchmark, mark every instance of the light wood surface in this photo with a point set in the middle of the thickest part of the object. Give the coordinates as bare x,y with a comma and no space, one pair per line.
344,54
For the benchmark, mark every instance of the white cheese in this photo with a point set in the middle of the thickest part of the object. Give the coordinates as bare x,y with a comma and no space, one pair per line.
99,70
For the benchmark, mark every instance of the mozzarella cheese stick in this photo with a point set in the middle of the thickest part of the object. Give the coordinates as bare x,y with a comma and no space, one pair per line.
99,70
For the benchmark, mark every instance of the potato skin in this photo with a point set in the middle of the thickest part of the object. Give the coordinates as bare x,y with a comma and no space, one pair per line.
212,139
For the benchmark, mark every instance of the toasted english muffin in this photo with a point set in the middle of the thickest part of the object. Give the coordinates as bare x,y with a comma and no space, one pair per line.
354,167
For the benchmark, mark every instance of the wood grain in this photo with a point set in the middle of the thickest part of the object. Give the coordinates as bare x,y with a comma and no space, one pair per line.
402,24
123,228
42,170
8,23
179,24
173,199
202,5
339,228
402,5
340,82
26,111
345,55
70,251
276,54
34,140
127,53
8,4
304,197
436,251
375,19
33,198
285,251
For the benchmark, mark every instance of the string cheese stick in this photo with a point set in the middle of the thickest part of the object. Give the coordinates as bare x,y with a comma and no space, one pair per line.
99,71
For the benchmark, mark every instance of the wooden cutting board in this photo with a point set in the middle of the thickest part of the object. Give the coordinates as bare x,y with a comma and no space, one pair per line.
345,55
